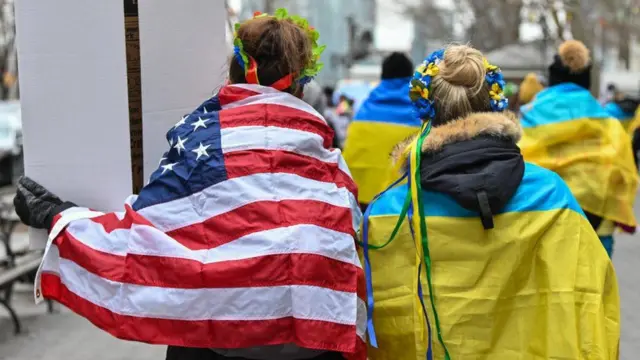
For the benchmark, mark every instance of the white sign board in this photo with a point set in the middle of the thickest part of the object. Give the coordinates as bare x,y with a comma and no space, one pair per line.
73,85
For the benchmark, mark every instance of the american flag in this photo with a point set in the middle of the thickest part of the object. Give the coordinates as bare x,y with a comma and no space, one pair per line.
243,237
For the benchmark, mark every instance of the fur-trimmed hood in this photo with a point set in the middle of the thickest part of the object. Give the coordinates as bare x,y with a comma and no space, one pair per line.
500,125
475,160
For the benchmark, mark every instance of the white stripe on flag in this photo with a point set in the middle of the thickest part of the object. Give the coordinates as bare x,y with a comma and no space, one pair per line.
237,192
255,303
277,138
270,95
145,240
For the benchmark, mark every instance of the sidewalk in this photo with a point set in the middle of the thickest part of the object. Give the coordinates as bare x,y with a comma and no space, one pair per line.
63,336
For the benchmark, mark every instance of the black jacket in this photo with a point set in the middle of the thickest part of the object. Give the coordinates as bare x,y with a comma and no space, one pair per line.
475,161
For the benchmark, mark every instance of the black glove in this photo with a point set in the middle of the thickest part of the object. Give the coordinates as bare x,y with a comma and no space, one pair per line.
35,205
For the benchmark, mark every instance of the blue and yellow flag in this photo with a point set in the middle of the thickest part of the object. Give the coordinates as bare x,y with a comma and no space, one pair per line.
385,119
537,286
567,131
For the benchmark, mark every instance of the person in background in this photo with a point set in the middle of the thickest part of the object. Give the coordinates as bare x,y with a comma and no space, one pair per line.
383,120
315,96
493,257
529,88
338,123
242,244
624,109
567,131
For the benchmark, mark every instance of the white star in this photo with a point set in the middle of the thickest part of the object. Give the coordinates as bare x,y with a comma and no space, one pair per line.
168,167
205,110
201,151
200,123
180,144
181,122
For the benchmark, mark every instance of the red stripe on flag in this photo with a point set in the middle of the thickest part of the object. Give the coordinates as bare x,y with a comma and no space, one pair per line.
111,222
231,94
172,272
360,353
261,216
276,115
249,162
221,334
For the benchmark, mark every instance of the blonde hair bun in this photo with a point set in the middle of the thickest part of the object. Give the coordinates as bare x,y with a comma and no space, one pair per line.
463,66
574,55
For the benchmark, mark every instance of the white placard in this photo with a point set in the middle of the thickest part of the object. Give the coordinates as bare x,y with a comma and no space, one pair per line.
73,89
73,85
183,55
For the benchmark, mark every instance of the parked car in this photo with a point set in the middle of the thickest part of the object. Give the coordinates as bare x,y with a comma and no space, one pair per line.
11,159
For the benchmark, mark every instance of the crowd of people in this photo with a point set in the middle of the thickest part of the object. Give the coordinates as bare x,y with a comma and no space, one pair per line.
463,217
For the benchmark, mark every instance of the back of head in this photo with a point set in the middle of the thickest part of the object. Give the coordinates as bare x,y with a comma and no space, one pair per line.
572,64
279,47
529,88
459,88
396,66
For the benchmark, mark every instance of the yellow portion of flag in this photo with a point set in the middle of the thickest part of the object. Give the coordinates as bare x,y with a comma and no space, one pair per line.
538,286
367,151
594,158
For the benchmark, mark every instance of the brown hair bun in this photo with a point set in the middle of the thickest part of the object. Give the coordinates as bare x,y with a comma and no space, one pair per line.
280,47
574,55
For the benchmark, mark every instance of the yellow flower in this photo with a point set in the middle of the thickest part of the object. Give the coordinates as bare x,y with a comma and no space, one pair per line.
488,66
432,69
495,92
428,70
422,92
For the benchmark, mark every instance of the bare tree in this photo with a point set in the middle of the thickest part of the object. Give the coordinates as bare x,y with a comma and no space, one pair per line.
496,23
8,59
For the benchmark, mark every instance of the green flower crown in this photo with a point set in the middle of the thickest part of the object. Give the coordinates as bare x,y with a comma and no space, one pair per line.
313,67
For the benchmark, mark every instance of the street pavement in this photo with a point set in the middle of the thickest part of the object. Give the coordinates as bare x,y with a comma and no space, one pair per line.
65,336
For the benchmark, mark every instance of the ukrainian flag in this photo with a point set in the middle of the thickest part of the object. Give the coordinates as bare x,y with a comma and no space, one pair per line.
567,131
385,119
537,286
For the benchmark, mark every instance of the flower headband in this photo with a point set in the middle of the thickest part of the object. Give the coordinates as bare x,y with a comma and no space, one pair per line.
420,86
250,65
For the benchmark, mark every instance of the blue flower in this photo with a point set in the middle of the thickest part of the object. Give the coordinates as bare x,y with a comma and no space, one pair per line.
239,59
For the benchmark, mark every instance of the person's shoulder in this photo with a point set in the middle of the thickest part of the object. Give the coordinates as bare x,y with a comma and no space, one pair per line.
389,203
542,190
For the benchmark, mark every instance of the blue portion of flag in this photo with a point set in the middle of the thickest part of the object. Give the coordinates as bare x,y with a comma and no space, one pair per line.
560,103
540,190
194,161
389,102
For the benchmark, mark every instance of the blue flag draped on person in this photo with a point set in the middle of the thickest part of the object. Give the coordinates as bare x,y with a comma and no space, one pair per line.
480,255
567,131
384,119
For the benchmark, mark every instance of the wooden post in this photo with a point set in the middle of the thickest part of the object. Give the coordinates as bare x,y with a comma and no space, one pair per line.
132,35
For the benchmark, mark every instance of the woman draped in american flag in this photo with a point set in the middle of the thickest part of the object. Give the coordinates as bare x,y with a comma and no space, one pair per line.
242,243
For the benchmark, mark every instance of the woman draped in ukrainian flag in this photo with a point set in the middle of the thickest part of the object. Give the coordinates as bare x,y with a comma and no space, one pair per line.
481,255
567,131
382,121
